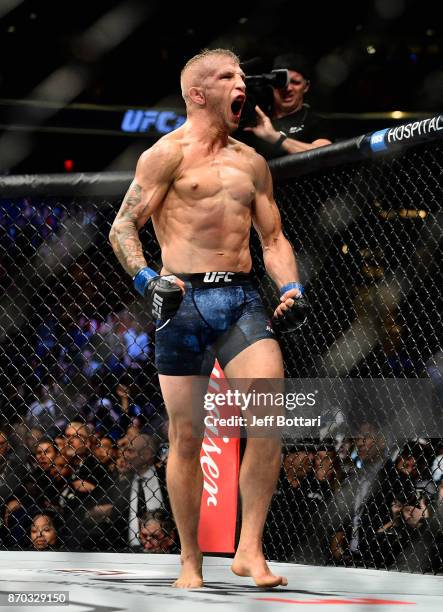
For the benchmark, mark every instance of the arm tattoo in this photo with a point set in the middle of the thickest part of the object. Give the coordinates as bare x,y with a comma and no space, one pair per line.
132,198
124,233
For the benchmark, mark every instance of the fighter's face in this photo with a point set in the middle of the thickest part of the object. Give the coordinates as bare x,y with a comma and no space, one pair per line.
225,91
290,98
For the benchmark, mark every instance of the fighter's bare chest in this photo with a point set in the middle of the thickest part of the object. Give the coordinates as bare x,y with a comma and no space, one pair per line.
215,178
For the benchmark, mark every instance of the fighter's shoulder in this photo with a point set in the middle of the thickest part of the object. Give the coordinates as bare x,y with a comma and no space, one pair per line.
263,178
241,147
257,161
250,154
166,154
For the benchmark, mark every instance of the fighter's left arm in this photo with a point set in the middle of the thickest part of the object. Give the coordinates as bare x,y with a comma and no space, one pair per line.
278,255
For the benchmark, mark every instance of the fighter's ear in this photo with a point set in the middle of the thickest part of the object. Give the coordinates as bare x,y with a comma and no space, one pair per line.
196,95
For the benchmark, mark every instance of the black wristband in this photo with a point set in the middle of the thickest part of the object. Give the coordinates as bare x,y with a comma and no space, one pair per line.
281,140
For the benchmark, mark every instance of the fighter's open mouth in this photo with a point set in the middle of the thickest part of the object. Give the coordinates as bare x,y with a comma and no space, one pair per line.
236,106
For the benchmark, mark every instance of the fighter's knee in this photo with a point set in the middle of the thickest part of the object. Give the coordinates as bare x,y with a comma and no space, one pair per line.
186,449
183,441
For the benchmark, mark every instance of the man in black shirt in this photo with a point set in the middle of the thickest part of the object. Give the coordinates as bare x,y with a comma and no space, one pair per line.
294,127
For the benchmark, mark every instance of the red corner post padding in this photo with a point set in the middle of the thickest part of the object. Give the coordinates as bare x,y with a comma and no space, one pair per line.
220,463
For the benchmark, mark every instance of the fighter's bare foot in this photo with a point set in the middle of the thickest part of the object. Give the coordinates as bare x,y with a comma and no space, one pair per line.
191,576
255,566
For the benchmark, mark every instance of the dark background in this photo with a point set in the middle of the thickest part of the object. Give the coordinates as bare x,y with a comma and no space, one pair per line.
372,56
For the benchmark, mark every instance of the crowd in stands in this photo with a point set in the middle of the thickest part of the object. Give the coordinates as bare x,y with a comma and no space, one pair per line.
359,502
82,464
352,502
81,490
24,226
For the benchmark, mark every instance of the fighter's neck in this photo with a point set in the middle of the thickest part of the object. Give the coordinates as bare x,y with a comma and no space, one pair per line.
207,132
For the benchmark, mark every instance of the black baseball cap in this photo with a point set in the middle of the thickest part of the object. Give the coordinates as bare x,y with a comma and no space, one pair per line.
293,61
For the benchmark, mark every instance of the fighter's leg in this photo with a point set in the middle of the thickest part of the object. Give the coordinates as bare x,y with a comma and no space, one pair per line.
183,474
259,469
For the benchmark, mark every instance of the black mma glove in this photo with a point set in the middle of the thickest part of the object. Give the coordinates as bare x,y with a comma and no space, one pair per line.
162,294
296,315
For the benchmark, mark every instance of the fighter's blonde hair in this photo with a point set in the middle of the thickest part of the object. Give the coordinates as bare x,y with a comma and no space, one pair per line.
201,57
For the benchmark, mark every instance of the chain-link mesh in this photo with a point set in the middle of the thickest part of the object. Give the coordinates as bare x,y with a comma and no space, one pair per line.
82,413
368,237
84,430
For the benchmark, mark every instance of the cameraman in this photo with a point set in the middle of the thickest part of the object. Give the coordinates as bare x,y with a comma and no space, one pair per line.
293,127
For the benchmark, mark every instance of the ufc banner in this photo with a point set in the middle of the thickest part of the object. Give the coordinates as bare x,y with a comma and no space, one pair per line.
220,463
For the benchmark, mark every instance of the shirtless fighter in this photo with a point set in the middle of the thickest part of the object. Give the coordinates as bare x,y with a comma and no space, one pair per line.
203,189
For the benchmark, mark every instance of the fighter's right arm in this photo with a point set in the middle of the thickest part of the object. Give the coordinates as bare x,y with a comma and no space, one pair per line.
154,174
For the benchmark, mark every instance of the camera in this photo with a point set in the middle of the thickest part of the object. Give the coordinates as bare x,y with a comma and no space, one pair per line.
259,92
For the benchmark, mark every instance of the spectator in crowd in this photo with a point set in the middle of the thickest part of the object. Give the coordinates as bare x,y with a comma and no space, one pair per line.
61,471
127,408
148,486
43,532
120,464
43,412
45,454
76,448
139,411
137,344
327,469
82,331
24,225
11,533
25,439
139,486
95,407
158,533
4,446
370,459
437,469
42,488
293,127
345,450
101,516
414,529
89,472
146,490
13,468
316,503
89,482
285,524
112,408
104,451
131,434
91,365
120,410
108,346
60,442
435,549
13,408
373,536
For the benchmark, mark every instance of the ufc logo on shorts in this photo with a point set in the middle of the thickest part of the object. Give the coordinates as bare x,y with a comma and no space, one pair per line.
216,277
157,304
